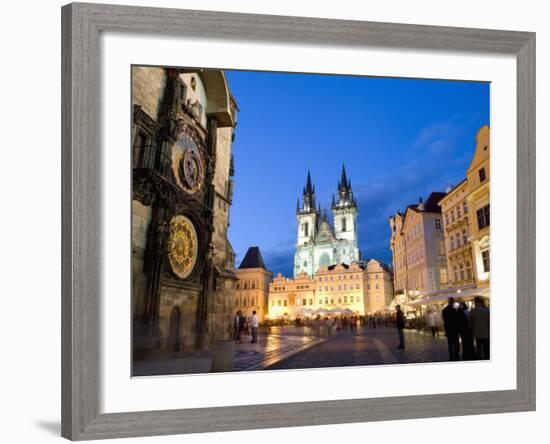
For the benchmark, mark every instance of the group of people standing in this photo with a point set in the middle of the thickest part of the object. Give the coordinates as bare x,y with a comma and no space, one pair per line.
467,331
242,327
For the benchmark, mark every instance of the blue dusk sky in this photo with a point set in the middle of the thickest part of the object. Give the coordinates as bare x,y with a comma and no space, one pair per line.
399,139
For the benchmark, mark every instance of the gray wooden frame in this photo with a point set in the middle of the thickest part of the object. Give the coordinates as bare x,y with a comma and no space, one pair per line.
81,166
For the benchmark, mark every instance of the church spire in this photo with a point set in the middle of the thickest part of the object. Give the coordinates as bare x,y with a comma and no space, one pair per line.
345,198
309,188
344,180
308,193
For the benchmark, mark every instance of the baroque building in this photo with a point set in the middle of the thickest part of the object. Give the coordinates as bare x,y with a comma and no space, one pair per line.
182,280
252,288
320,243
363,287
466,217
418,248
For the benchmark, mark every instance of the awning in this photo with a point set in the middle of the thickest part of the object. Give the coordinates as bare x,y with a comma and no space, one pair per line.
459,294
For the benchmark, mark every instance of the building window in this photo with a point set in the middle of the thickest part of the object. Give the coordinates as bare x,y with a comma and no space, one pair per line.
443,276
483,217
465,207
455,270
469,270
458,215
351,299
368,286
377,286
344,224
345,299
311,302
285,302
331,300
464,237
462,274
452,241
306,229
482,175
486,261
437,224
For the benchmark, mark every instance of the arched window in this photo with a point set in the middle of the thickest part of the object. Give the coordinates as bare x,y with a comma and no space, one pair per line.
344,224
253,285
245,287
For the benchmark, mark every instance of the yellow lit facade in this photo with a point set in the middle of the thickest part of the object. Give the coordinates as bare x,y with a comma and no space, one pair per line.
478,200
456,222
466,216
360,288
252,287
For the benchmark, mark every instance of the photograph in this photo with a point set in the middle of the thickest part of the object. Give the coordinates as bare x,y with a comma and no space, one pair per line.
285,221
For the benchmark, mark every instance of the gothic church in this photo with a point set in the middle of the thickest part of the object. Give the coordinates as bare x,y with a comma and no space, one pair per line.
321,243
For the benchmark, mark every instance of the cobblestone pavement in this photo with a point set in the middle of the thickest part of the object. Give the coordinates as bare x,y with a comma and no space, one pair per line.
269,349
369,347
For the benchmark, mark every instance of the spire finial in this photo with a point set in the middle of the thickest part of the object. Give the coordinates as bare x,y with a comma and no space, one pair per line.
309,187
344,179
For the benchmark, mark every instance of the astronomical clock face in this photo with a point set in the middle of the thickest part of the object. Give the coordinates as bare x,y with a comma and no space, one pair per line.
187,164
182,246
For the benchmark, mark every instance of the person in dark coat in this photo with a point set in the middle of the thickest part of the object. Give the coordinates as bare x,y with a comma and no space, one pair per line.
237,327
465,332
450,321
400,324
242,326
479,320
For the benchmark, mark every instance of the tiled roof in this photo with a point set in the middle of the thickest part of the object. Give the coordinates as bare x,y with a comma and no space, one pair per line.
253,259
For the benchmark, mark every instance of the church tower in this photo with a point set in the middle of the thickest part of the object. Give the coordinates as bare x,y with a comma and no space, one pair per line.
344,210
307,214
308,224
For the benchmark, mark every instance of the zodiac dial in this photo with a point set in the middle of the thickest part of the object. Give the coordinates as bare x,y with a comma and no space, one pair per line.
182,246
187,164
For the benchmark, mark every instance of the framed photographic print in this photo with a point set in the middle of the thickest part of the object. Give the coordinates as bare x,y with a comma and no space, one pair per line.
277,221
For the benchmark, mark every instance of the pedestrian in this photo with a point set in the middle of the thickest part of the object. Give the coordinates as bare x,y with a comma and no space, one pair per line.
450,322
254,324
242,326
237,328
479,318
339,325
465,332
400,324
430,322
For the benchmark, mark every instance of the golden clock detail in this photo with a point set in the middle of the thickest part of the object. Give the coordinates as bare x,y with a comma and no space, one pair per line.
182,246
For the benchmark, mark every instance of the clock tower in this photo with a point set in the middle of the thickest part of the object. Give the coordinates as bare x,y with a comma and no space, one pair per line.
183,123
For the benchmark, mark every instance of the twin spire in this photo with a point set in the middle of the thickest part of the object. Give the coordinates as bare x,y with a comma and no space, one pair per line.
344,192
